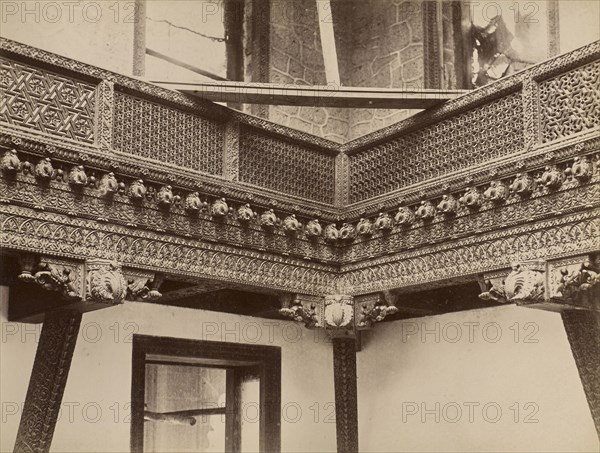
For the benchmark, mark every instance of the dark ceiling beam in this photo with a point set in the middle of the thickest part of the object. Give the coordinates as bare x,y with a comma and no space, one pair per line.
314,95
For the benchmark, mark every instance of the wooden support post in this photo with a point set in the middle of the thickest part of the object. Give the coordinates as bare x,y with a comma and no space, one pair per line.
48,380
325,14
346,412
139,38
583,332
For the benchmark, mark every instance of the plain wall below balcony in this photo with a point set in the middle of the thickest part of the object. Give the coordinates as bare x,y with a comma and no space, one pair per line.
95,407
404,371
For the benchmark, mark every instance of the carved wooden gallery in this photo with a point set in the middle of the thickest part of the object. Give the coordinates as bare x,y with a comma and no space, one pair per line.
215,261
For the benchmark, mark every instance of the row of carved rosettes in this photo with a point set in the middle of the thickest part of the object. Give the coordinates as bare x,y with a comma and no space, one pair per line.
491,197
554,285
95,281
339,314
162,198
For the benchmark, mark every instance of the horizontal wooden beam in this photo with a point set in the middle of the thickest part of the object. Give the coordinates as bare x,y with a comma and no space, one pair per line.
314,95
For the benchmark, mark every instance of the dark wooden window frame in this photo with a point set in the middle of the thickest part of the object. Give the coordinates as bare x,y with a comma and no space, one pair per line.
259,360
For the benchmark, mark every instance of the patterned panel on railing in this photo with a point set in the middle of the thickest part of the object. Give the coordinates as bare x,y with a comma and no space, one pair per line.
286,166
46,101
167,134
492,130
570,103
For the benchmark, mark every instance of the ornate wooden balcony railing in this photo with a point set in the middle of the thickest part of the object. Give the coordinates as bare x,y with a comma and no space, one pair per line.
97,164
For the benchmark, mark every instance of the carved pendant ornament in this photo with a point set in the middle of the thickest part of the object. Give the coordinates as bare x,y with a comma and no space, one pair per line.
105,283
339,311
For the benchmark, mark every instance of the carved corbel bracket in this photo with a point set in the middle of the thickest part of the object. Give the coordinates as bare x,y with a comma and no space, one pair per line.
302,308
557,285
142,286
374,308
524,284
53,274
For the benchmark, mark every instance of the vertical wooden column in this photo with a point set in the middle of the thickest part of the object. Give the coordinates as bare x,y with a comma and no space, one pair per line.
139,38
48,380
346,411
433,52
583,332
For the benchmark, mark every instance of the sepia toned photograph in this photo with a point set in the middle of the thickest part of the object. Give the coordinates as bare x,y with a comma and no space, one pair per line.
300,226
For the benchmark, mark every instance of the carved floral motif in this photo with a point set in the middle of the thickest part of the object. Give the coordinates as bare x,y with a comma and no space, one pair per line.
404,216
165,197
522,185
471,198
193,202
313,229
551,177
291,225
582,169
219,208
44,170
448,206
268,219
108,185
77,176
383,222
245,214
426,211
497,192
137,190
364,227
10,162
331,233
347,232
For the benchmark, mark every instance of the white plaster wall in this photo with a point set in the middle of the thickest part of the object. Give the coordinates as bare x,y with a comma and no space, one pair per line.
95,32
95,407
402,367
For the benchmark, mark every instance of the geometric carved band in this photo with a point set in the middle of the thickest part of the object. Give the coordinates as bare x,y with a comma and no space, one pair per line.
346,412
48,380
583,332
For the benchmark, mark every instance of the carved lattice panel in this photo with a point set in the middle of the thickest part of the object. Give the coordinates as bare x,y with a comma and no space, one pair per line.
166,134
285,166
46,101
570,103
473,137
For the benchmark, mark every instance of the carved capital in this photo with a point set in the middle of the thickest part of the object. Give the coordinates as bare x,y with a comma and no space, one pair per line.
105,283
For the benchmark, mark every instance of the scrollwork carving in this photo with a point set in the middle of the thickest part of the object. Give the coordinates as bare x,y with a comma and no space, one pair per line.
581,280
138,289
193,203
404,216
298,312
332,234
551,177
51,277
582,169
522,185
